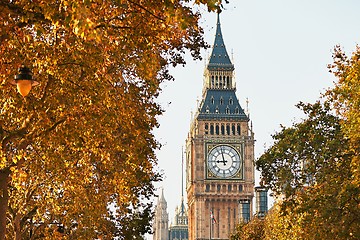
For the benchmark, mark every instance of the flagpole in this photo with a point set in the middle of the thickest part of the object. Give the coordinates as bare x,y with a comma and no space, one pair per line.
210,222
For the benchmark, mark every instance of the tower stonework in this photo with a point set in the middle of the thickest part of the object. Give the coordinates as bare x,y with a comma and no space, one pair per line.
161,219
219,152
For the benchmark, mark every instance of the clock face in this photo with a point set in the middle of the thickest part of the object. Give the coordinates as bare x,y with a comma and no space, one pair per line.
223,161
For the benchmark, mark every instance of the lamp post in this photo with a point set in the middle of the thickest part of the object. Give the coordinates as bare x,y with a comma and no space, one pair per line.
24,80
4,199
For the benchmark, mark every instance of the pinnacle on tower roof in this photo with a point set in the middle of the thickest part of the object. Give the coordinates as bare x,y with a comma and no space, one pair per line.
219,59
162,198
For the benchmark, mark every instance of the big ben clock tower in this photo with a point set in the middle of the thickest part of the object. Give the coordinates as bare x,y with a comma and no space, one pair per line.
219,152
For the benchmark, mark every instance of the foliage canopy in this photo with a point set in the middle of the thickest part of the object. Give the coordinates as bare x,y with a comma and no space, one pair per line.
82,140
313,166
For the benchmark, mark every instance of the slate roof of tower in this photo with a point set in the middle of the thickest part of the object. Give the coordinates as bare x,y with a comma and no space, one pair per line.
219,58
221,104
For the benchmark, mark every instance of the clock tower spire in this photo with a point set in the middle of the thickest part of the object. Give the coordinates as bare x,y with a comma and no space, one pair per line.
220,71
219,152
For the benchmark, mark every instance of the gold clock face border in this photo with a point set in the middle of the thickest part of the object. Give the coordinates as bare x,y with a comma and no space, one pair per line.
239,147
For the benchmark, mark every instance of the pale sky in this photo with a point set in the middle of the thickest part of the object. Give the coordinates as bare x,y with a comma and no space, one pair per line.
281,49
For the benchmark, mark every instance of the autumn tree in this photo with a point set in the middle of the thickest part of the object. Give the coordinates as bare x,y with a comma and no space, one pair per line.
77,155
274,225
281,226
309,168
315,164
308,165
345,97
249,231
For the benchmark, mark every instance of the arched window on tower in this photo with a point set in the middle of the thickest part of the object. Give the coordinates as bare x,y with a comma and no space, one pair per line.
212,81
233,129
238,129
228,82
216,81
221,100
212,100
217,129
211,129
222,129
206,128
220,82
228,129
236,110
231,101
227,110
217,109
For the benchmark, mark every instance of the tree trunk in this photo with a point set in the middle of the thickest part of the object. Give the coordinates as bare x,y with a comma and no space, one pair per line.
4,199
17,228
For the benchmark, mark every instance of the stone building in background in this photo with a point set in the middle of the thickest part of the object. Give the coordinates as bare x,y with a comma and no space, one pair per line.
161,219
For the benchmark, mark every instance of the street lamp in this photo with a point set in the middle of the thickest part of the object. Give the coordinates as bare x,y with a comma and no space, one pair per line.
24,80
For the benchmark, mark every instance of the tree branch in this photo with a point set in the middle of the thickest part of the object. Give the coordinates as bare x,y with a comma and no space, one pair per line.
143,8
19,11
17,133
51,128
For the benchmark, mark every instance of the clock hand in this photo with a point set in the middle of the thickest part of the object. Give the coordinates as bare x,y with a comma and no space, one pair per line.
223,159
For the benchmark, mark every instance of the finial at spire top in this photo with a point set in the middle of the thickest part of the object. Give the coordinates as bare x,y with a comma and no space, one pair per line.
218,10
247,106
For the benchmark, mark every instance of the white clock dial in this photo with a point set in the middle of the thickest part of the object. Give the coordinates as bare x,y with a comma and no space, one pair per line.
223,161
